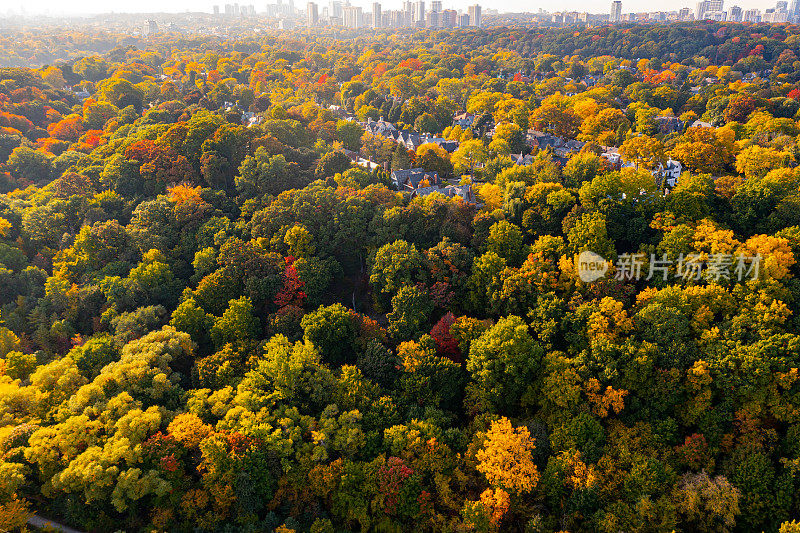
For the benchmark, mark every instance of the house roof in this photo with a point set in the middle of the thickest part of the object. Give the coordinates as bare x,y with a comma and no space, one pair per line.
413,176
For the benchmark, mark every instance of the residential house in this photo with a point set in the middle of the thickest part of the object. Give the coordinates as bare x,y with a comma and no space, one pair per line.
449,145
366,163
521,160
669,125
408,180
612,157
669,172
701,124
465,192
409,139
255,121
379,127
568,148
464,120
542,141
615,159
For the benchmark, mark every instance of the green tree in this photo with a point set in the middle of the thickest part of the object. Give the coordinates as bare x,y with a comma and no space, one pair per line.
503,364
237,324
30,164
505,239
395,265
411,310
332,330
331,164
349,133
264,174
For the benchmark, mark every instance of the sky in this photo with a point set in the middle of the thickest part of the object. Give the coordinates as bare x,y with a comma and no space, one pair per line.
59,7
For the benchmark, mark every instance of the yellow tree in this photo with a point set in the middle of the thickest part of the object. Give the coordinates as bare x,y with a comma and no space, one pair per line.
556,116
757,161
468,155
602,127
506,458
431,156
643,150
706,149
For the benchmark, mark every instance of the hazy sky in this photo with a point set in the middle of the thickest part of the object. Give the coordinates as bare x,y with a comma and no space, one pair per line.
593,6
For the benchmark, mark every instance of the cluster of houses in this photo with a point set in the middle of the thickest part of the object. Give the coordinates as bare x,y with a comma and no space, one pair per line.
421,182
410,139
417,181
667,173
562,148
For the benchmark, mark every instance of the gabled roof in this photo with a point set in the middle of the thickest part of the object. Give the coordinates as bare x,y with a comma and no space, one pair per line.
412,177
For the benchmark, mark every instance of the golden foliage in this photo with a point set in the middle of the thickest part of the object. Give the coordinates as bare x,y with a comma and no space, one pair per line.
188,429
14,514
506,457
602,402
183,193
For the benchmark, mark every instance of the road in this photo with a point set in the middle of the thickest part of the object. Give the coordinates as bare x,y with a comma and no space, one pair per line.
41,523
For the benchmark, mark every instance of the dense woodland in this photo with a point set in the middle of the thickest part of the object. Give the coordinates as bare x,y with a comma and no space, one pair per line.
212,320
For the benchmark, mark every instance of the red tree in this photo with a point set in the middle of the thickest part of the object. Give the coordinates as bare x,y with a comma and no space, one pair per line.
446,345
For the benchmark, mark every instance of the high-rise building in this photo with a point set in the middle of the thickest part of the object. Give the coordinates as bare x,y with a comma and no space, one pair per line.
216,10
616,11
463,20
312,14
150,28
351,17
377,16
419,12
700,9
776,14
408,13
684,13
433,19
794,11
709,9
735,14
436,6
449,18
475,15
335,9
752,15
228,9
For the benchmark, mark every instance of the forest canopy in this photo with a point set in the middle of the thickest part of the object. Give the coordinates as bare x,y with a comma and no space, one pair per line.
331,282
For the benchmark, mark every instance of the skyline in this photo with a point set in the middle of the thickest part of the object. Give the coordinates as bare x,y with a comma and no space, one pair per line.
96,7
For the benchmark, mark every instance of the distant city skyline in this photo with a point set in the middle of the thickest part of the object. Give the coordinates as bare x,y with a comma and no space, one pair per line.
85,7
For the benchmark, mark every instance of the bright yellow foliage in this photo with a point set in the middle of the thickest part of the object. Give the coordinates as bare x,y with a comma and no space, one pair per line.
506,458
491,195
610,321
14,515
497,501
182,193
776,255
188,429
5,226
